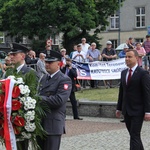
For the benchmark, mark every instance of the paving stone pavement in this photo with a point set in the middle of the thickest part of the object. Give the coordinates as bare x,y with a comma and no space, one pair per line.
99,134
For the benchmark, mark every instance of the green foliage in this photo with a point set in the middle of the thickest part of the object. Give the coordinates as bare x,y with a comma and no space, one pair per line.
38,45
30,79
39,17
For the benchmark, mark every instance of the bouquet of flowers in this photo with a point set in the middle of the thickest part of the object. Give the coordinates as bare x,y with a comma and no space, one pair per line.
20,111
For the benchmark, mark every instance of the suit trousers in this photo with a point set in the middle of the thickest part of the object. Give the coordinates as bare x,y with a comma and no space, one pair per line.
51,142
74,104
134,126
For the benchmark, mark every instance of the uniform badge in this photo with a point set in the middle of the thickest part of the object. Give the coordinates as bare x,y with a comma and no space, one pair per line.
65,86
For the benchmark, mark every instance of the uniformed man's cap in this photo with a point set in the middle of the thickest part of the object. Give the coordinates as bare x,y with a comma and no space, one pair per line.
53,56
18,48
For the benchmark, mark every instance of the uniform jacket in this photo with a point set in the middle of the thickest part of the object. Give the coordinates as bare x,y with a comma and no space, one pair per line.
55,92
25,69
134,98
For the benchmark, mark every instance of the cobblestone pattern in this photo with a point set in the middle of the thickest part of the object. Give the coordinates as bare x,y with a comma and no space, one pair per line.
109,134
99,134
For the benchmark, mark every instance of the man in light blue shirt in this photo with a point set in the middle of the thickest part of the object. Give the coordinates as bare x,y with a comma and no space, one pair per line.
93,54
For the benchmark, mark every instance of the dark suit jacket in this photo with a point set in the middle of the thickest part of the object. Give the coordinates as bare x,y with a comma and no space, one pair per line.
53,91
28,60
72,74
134,98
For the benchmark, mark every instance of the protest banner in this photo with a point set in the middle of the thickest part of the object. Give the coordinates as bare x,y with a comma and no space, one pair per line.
100,70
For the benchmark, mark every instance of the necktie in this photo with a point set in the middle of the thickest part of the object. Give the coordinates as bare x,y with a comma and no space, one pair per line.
67,71
48,78
129,76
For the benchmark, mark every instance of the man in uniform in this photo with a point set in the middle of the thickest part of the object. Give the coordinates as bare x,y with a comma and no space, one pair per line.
17,56
54,90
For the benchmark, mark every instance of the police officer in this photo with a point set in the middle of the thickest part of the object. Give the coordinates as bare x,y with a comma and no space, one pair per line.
54,90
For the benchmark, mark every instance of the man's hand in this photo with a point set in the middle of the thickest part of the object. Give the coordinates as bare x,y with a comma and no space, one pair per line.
70,67
90,58
118,113
147,117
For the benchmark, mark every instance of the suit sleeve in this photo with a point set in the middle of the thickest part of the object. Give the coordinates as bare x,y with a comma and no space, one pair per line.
61,96
73,72
120,97
146,91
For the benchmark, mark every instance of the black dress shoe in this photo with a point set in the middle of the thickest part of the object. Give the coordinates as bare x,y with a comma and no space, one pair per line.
78,118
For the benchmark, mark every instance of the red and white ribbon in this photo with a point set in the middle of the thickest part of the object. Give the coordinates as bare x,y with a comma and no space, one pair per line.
9,135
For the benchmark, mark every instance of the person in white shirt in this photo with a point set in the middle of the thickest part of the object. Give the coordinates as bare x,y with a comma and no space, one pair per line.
79,55
85,46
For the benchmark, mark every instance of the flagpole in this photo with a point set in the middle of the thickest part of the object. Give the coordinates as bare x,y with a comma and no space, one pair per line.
119,24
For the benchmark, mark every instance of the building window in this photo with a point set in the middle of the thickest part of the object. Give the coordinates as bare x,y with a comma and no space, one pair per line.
114,21
114,43
138,40
140,17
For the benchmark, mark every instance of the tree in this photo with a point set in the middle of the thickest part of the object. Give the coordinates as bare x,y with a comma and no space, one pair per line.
75,18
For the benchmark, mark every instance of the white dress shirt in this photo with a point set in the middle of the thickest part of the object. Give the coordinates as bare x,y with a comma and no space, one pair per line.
133,69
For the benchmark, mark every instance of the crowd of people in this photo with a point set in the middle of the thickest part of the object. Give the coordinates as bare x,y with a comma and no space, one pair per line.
57,80
84,52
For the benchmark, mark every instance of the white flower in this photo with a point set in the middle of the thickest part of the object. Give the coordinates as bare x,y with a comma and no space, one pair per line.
19,81
30,106
23,89
29,98
11,77
29,116
26,103
21,86
22,99
31,112
30,127
25,107
28,91
32,117
33,101
26,135
29,103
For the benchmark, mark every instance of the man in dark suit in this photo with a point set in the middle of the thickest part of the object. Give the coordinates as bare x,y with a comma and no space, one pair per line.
71,72
54,90
134,98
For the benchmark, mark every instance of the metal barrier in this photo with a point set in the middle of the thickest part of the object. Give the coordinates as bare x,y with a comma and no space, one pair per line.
34,66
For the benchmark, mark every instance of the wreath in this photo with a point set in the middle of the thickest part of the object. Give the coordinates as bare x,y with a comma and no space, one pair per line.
20,110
